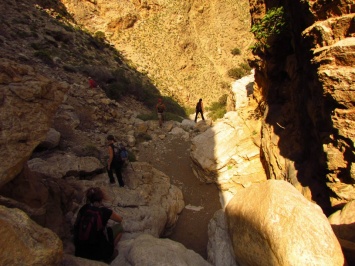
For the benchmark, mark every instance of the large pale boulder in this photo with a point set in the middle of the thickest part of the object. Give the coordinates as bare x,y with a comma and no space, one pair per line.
148,204
219,248
343,224
273,224
147,250
61,165
28,102
228,154
23,242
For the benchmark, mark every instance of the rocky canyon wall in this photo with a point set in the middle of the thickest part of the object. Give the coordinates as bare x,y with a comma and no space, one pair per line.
304,84
184,47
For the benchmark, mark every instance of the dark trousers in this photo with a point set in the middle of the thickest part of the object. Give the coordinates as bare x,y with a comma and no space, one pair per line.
197,112
117,167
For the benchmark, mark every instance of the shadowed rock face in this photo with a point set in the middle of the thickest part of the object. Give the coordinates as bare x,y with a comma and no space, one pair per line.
28,102
304,83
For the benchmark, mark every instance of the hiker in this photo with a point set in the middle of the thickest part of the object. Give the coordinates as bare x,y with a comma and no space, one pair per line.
199,109
114,162
160,109
93,239
92,83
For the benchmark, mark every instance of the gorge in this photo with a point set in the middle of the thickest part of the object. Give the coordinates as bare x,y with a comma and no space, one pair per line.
282,157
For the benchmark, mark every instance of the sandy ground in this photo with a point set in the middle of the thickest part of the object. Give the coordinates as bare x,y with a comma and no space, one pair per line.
172,156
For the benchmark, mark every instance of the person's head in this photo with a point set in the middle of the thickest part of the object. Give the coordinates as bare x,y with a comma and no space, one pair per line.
200,100
111,138
159,100
94,194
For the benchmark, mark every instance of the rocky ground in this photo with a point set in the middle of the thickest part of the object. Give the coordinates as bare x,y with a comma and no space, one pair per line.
171,155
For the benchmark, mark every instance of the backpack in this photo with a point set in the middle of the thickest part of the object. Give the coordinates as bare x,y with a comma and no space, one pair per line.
89,227
120,153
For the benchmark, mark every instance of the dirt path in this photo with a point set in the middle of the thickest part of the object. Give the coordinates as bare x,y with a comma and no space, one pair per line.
172,156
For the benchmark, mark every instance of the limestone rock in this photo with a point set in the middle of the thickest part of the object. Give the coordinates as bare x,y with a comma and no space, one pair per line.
220,249
146,250
62,165
343,224
149,203
227,153
29,103
24,242
271,223
51,141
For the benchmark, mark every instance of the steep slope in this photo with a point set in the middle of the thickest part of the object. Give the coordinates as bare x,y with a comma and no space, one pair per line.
183,46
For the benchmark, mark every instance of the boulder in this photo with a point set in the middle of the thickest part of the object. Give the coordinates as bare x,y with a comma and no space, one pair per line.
61,165
219,248
271,223
227,154
51,141
28,103
23,242
148,203
147,250
343,224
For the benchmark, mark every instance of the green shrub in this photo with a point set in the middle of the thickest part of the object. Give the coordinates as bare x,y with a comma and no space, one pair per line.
236,51
218,109
99,35
44,56
172,116
116,90
272,24
239,72
147,117
245,66
236,73
223,99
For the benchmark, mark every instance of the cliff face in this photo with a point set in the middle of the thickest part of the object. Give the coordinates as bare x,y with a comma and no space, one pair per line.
183,46
304,86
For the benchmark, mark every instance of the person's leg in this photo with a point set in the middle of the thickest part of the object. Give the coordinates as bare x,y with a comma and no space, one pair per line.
110,175
118,169
117,230
196,116
202,116
160,119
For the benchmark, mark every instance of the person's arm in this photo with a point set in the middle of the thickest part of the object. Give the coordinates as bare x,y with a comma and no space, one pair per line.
202,106
110,153
115,217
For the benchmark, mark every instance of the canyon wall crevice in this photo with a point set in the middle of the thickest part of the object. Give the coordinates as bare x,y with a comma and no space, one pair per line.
305,80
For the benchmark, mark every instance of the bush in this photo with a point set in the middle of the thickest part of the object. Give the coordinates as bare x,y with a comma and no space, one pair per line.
236,73
217,110
272,24
44,56
147,117
236,51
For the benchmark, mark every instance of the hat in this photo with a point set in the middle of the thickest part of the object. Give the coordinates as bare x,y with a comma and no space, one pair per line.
110,137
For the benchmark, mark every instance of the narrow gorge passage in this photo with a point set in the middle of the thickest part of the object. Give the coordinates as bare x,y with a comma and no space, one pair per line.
172,156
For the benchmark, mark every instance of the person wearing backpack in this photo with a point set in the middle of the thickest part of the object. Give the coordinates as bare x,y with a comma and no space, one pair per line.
160,109
115,162
199,109
93,239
